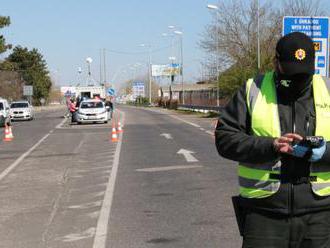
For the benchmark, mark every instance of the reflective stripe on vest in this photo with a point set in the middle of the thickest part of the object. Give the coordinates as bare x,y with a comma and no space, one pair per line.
321,89
255,180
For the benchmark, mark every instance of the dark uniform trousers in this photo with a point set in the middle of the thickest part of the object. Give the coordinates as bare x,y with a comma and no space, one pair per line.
267,230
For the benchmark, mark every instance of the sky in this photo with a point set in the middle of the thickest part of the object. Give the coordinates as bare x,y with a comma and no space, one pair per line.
67,32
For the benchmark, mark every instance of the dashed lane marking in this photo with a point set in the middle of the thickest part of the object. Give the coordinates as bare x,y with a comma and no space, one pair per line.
89,233
209,132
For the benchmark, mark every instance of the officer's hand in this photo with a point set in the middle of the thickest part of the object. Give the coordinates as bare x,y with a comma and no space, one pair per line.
317,153
283,143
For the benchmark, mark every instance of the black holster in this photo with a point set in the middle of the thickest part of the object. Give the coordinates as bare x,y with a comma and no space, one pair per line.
240,214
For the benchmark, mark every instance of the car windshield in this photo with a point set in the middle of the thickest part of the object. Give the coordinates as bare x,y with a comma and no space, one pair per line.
88,105
19,105
1,106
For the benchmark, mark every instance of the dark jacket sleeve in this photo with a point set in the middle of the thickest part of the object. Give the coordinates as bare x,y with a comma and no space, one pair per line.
233,136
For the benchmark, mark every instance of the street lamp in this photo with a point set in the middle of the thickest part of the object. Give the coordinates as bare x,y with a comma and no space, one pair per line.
149,68
180,33
89,60
216,8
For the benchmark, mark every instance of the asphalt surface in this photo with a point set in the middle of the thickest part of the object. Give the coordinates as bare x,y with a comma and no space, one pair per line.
65,185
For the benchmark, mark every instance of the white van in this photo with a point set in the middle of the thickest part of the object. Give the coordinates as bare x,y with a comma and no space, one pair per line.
4,112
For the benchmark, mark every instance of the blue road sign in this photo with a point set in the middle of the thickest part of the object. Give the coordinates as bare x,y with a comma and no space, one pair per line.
111,92
318,29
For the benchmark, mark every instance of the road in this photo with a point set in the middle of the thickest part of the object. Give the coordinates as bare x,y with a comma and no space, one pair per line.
161,185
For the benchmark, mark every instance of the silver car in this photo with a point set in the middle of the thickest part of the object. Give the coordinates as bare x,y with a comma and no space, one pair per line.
92,111
21,110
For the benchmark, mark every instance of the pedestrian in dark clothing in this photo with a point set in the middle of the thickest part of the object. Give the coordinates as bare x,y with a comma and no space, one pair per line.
109,105
269,127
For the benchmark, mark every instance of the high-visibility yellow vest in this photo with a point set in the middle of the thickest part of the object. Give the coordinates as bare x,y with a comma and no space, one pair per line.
256,180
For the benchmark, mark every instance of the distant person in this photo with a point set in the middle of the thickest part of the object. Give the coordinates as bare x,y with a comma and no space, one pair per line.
67,103
73,110
109,105
78,101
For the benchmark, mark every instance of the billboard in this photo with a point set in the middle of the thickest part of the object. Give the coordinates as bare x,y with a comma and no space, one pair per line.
138,89
165,70
318,29
68,91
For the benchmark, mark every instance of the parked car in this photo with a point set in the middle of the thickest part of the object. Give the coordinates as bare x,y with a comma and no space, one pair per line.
92,111
4,112
21,110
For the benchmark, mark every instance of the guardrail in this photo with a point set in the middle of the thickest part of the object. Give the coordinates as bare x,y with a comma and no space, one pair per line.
199,108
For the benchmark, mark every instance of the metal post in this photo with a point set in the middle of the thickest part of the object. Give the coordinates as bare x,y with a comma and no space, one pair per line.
258,35
104,67
149,72
101,79
217,57
181,55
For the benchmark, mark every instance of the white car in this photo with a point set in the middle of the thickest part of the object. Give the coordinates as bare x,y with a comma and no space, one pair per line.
21,110
4,112
92,111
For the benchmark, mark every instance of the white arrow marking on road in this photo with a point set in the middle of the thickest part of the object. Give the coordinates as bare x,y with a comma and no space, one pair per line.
167,135
187,155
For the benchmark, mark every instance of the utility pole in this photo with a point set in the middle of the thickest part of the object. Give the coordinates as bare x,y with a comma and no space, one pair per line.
149,69
101,79
104,66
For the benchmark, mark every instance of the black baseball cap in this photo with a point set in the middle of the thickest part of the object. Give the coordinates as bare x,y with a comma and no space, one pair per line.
295,52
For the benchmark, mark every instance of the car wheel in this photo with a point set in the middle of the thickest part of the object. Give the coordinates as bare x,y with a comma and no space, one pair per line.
105,122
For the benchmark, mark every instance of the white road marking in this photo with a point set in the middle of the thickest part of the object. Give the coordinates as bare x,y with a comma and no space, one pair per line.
61,124
21,158
92,215
78,236
100,238
169,168
188,122
86,205
209,132
187,155
167,135
79,146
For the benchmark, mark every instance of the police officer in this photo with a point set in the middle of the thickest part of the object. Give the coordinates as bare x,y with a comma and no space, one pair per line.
284,184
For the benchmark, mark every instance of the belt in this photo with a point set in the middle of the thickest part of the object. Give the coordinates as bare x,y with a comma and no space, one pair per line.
293,180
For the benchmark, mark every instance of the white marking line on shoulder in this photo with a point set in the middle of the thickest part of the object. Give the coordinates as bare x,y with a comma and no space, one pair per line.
101,232
21,158
169,168
188,122
61,124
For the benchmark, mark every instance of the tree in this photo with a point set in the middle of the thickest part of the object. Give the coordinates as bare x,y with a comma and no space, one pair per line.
4,22
302,8
232,37
33,68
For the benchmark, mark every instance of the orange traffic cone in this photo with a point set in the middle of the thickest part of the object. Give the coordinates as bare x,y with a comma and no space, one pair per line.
119,130
114,137
8,133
